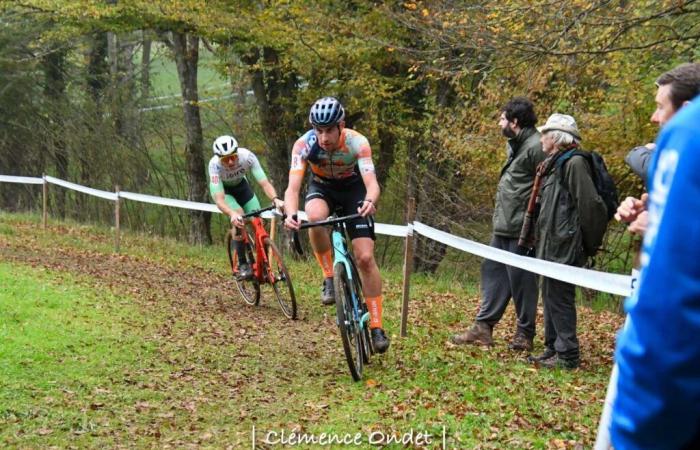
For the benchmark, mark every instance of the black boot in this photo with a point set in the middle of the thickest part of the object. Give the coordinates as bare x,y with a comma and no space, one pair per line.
547,354
379,340
327,292
245,272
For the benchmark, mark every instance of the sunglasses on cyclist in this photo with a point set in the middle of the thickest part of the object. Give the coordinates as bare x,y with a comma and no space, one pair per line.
228,158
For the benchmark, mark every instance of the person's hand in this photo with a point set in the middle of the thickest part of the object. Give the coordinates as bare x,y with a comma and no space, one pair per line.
630,208
279,204
367,208
639,225
291,223
237,220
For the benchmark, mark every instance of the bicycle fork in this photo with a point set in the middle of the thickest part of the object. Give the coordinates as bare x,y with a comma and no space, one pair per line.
340,256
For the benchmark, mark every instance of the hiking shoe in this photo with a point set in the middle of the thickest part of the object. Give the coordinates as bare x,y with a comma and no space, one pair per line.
556,362
520,342
327,292
245,272
380,342
478,334
548,353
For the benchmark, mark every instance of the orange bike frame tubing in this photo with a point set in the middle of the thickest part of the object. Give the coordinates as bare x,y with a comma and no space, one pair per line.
261,260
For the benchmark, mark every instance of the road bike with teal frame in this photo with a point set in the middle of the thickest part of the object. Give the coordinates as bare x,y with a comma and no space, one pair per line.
352,316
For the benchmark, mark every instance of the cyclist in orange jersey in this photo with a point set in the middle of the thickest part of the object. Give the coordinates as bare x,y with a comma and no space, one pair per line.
342,177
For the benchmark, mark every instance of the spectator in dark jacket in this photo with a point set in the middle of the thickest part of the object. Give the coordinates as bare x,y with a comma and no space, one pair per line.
572,217
500,283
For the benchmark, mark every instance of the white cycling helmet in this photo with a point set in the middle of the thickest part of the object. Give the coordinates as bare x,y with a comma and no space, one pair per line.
225,146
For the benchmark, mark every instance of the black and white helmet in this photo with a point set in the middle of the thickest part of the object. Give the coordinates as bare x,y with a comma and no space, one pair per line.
225,146
326,111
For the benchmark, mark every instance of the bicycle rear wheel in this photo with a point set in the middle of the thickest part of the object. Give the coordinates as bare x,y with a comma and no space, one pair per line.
282,282
249,289
348,326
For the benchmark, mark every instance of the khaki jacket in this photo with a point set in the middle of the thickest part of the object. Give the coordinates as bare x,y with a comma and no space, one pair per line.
571,213
515,185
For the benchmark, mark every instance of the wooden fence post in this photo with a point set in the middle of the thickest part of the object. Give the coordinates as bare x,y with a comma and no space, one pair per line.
273,235
407,262
116,221
44,201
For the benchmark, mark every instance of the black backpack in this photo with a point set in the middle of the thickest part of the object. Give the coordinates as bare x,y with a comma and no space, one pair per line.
604,183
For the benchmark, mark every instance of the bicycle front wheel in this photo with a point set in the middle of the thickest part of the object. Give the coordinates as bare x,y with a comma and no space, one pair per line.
249,289
366,344
281,281
348,325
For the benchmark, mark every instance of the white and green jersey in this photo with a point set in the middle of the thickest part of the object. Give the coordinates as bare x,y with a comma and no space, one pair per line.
221,176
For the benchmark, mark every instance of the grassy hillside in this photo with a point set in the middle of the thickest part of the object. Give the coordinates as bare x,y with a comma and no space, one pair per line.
164,79
154,347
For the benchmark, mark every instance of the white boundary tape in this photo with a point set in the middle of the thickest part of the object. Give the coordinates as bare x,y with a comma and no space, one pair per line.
600,281
22,180
85,190
391,230
593,279
185,204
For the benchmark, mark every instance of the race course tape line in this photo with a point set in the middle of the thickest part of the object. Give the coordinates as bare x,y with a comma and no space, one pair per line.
593,279
21,180
85,190
185,204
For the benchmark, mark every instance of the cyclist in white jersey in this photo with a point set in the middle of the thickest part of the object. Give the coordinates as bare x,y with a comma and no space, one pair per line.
230,190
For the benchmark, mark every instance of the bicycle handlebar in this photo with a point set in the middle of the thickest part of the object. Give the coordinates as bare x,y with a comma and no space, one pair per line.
334,220
257,212
330,221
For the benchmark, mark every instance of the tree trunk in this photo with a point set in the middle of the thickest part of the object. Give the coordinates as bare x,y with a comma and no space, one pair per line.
125,112
55,89
186,48
112,54
145,65
97,69
431,209
272,87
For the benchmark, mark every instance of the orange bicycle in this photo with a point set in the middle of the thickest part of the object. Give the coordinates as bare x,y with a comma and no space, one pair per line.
266,262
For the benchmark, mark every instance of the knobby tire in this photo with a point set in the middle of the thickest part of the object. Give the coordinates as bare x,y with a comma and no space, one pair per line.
282,282
249,289
347,325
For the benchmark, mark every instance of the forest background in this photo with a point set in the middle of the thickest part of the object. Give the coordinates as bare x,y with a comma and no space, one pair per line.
131,93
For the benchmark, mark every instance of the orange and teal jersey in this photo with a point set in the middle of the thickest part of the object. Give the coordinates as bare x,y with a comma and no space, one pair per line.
352,158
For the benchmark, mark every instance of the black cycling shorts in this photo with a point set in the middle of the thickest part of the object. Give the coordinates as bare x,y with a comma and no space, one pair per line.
342,197
242,192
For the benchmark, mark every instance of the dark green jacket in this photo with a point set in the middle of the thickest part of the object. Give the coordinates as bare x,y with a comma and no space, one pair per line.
572,214
515,185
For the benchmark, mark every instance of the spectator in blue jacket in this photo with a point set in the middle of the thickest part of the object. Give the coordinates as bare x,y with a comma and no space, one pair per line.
658,351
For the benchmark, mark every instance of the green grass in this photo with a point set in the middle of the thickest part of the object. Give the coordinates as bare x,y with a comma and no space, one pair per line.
165,82
65,355
153,348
